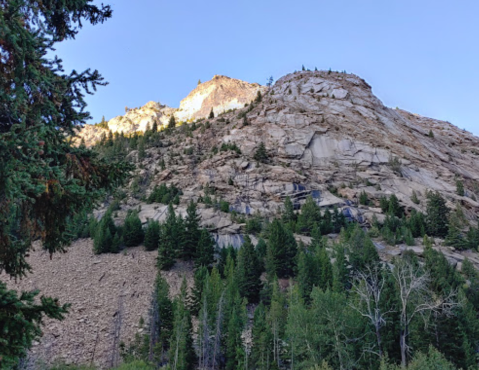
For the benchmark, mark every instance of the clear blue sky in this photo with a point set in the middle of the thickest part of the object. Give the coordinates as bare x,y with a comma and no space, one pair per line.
419,55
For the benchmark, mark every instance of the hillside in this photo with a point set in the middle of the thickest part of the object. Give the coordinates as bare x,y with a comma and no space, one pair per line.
326,137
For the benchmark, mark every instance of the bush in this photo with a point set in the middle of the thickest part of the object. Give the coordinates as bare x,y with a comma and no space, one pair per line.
363,198
224,206
164,194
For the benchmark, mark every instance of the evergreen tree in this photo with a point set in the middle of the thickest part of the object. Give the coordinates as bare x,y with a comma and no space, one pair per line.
171,122
248,272
162,318
258,98
103,234
261,155
289,217
234,351
281,251
200,277
394,208
167,247
152,235
205,253
308,273
212,114
192,231
310,215
262,349
340,271
133,233
436,215
460,188
182,354
141,148
42,173
199,83
363,198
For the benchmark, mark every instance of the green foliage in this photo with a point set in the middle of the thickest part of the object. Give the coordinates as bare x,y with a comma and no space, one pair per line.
133,233
431,134
363,198
212,114
436,215
171,123
205,249
460,188
169,240
230,146
152,235
288,216
254,224
164,194
181,354
104,233
281,251
310,215
248,272
224,206
261,155
192,232
414,198
44,178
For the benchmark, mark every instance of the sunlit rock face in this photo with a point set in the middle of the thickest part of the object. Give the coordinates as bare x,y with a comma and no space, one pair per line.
220,94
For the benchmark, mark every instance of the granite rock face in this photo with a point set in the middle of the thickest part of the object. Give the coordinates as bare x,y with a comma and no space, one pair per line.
322,131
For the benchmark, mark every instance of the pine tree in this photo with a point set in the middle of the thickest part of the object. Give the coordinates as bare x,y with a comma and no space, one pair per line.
363,198
167,247
162,318
199,83
308,273
436,215
258,98
42,173
261,155
133,233
141,148
200,277
192,231
205,253
281,251
261,352
289,217
152,235
340,271
182,354
394,208
212,114
248,272
460,188
171,122
310,215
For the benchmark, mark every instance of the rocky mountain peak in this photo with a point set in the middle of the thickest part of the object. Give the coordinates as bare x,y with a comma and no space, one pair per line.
221,94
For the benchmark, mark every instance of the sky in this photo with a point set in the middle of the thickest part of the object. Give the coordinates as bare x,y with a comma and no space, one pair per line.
418,55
